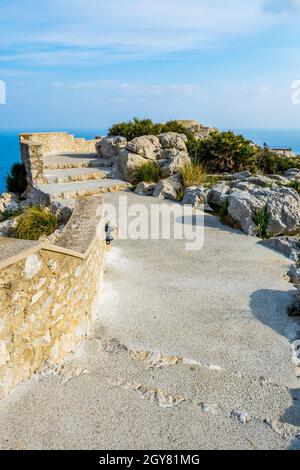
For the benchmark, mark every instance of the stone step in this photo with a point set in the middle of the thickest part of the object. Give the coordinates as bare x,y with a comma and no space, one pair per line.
73,190
75,160
76,174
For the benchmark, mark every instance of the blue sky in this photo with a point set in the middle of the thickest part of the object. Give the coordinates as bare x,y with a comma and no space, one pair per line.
84,64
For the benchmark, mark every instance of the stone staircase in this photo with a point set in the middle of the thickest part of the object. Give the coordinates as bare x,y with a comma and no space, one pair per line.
70,175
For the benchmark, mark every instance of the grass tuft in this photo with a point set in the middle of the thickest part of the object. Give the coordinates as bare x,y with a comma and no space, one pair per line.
36,222
193,175
149,172
261,219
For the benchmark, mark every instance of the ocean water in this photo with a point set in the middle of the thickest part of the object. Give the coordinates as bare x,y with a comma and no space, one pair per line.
10,148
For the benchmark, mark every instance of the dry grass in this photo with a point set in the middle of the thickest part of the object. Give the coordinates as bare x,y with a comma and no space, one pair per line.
36,222
193,175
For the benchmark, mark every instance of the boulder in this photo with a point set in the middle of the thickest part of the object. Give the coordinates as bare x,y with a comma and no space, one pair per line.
196,128
169,188
171,140
218,195
283,206
147,147
175,163
145,189
128,162
108,147
241,207
288,246
8,202
242,175
194,196
7,228
294,273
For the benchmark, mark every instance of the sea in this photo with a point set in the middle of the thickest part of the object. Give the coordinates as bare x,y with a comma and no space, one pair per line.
10,147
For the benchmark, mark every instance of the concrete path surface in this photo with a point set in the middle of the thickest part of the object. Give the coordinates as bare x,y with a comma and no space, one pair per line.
192,350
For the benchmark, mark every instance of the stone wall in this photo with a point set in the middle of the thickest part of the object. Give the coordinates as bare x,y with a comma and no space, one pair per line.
36,145
49,295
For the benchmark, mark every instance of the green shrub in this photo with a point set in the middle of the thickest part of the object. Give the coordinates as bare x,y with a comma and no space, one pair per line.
296,186
224,152
140,127
36,222
192,175
261,219
269,163
16,181
135,128
149,172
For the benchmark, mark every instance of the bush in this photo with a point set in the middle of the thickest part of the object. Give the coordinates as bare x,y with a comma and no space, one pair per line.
269,163
261,219
16,181
148,172
192,175
224,152
36,222
140,127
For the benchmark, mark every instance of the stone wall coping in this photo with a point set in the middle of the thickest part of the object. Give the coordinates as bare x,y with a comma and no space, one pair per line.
76,240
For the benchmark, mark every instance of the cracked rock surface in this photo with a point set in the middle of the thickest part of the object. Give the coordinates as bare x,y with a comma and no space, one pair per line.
191,350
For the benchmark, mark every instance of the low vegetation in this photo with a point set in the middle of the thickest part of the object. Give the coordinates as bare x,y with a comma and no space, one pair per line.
296,186
36,222
193,175
148,172
140,127
261,219
225,152
16,181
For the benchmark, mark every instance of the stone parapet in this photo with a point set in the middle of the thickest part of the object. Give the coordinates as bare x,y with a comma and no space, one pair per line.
49,294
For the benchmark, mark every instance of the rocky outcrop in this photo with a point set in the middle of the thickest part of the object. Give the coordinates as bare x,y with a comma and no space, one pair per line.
218,195
145,189
194,196
196,128
168,149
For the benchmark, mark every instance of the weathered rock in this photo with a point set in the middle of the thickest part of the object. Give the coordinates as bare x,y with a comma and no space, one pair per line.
128,162
196,128
174,165
293,174
168,188
218,195
279,179
171,140
8,202
194,196
7,228
147,146
145,189
243,185
260,180
294,274
283,206
108,147
241,207
289,246
242,175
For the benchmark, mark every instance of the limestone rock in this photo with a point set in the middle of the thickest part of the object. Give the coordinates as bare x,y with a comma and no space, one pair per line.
8,202
196,128
108,147
175,163
241,206
294,274
194,196
283,206
242,175
168,188
293,174
128,162
218,195
171,140
145,189
7,228
147,146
